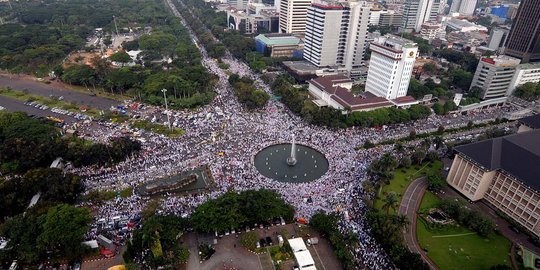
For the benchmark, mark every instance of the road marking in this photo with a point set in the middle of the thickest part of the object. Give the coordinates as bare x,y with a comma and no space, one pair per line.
314,248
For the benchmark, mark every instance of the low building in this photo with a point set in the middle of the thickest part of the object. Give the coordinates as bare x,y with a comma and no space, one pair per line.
525,73
279,45
464,25
301,254
494,74
265,21
529,123
504,172
335,91
432,30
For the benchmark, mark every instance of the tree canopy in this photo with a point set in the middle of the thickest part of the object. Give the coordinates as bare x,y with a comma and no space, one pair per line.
236,210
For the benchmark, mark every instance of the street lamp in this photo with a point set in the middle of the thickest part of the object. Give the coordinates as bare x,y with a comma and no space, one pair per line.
166,107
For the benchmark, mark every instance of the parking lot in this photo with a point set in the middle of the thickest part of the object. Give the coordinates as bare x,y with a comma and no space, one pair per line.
231,254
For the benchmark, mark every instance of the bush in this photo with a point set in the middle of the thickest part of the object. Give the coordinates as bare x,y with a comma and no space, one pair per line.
249,240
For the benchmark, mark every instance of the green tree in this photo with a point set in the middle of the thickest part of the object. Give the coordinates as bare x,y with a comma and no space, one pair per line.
120,57
390,202
528,91
64,228
435,182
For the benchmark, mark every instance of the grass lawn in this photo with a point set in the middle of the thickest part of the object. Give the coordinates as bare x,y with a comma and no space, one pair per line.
402,179
455,247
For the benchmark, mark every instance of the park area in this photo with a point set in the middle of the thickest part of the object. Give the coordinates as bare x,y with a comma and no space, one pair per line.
403,177
456,247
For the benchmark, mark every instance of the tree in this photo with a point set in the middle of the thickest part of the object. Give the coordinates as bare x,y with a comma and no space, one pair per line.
64,228
462,79
528,91
390,201
435,182
120,57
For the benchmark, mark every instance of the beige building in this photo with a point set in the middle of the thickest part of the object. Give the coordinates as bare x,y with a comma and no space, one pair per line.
505,172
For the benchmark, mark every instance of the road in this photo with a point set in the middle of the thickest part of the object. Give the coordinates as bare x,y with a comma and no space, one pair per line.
408,207
35,87
15,105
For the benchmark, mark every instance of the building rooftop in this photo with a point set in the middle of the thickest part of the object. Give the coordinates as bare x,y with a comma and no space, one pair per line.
330,85
532,121
529,66
501,60
517,154
297,244
279,39
394,42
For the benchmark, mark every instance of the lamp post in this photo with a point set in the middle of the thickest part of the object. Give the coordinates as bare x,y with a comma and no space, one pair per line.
166,107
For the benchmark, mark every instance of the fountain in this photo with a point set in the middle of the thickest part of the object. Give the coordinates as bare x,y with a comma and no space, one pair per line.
291,160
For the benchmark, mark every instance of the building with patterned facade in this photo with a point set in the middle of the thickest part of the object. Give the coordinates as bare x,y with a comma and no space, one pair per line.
505,173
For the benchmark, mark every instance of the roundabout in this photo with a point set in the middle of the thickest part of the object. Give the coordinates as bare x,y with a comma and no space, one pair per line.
302,164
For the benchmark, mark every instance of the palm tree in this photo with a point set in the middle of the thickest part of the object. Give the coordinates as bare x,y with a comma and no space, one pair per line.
390,202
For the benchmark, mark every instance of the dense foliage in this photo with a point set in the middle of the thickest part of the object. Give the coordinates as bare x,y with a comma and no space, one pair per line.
49,30
342,244
27,143
470,218
246,93
53,185
237,210
46,234
159,234
528,91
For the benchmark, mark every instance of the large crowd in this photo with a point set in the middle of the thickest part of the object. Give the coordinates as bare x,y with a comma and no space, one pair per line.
226,137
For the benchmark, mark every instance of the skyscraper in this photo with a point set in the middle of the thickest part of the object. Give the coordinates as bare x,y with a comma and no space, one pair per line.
292,15
523,41
417,12
391,66
336,33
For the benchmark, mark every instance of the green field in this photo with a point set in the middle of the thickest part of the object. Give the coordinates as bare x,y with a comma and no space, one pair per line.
454,247
402,179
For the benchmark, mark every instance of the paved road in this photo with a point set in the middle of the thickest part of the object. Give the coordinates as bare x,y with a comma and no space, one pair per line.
408,207
35,87
15,105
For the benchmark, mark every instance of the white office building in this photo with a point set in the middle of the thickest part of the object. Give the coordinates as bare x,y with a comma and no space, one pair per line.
463,7
374,16
336,34
292,15
494,74
391,66
525,73
417,12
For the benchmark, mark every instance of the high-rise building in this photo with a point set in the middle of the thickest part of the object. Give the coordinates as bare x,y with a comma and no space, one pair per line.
524,38
391,66
463,7
417,12
493,75
292,15
390,18
374,16
336,33
497,38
